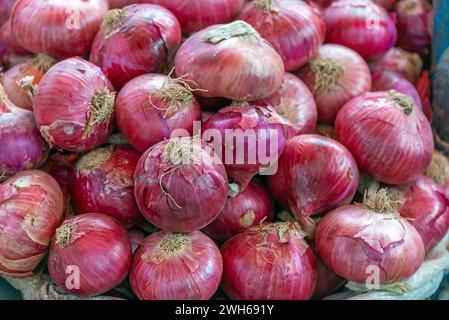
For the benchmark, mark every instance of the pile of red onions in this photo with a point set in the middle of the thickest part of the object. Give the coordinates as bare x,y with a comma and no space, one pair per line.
89,255
176,266
246,209
74,106
360,25
22,147
180,185
135,40
60,29
266,133
293,28
231,61
150,107
195,15
335,76
370,243
389,136
269,262
103,182
414,22
31,205
315,174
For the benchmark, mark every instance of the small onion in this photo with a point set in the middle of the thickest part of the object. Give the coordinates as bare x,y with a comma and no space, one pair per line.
60,29
269,262
176,266
89,255
103,182
335,76
150,107
246,209
135,40
74,106
195,15
315,174
180,185
389,137
31,205
230,61
61,167
360,25
293,28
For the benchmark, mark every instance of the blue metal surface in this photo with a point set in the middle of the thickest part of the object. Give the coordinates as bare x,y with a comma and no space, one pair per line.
440,29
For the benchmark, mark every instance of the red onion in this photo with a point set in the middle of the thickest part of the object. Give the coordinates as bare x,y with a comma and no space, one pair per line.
5,10
295,102
31,205
315,174
426,208
89,255
74,106
269,262
103,182
176,266
293,28
335,76
406,63
414,22
116,4
389,137
361,242
195,15
265,132
22,147
58,28
360,25
21,80
246,209
385,80
8,40
175,179
61,167
230,61
136,238
152,106
135,40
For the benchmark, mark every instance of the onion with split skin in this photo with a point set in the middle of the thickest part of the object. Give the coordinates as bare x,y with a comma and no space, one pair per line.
176,266
174,180
150,107
293,28
231,61
74,106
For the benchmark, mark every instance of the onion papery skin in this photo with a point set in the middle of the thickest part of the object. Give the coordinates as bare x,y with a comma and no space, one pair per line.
406,63
171,192
385,80
387,143
281,261
246,209
353,240
32,67
414,23
141,40
103,182
315,174
22,146
60,29
74,106
360,25
335,76
295,102
61,167
427,209
267,134
195,15
31,205
174,266
116,4
145,116
136,238
243,68
293,28
98,246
